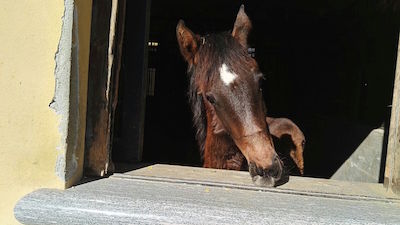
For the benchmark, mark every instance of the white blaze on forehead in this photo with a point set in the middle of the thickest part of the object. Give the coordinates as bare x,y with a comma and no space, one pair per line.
226,76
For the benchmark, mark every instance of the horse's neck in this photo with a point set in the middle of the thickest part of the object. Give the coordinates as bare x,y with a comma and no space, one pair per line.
220,152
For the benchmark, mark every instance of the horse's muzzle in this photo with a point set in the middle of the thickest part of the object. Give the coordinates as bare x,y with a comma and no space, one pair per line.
267,177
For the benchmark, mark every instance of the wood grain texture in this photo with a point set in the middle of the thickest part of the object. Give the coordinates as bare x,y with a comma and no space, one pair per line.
96,143
392,170
108,22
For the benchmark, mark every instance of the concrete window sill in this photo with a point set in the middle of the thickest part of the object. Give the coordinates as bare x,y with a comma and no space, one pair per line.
165,194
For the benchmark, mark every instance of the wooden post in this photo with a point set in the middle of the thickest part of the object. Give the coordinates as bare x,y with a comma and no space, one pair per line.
392,170
105,52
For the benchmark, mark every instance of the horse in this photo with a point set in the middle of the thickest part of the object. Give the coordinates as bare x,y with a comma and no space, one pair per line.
225,94
288,140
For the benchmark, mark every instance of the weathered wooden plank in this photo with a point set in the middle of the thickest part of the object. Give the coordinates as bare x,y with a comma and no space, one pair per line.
105,57
116,66
134,201
392,170
96,150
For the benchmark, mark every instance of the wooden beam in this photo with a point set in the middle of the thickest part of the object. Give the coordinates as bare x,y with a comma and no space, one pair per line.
392,170
105,55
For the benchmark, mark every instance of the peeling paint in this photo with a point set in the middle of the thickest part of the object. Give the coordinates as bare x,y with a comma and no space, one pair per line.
74,115
60,102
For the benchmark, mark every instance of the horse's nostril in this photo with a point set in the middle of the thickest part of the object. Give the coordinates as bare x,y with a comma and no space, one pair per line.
277,168
260,171
274,172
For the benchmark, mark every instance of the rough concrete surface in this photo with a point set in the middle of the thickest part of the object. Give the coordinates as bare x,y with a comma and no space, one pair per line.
124,200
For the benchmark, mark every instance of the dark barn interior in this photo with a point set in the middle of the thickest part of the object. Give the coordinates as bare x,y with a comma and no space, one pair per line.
329,66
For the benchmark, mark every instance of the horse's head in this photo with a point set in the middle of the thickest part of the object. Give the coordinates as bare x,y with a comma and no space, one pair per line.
227,82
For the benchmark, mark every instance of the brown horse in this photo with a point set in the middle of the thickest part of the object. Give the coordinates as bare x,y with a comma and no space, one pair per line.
227,102
288,139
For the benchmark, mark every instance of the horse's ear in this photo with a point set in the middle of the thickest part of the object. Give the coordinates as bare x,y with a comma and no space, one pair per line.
187,41
242,27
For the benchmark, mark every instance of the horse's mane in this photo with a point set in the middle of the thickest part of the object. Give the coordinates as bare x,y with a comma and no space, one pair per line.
199,118
213,50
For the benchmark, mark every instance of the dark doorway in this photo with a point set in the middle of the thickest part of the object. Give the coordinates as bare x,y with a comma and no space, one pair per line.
329,67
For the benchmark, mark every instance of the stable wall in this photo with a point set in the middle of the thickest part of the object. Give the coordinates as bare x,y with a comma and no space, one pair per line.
36,51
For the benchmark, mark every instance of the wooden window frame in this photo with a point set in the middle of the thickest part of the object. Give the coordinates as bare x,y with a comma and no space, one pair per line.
101,112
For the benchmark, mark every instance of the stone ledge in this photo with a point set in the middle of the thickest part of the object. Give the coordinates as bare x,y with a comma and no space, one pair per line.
163,194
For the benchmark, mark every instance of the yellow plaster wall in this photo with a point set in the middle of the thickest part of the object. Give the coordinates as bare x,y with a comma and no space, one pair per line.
29,34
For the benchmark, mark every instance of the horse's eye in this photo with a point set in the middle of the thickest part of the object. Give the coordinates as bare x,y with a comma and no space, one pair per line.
211,99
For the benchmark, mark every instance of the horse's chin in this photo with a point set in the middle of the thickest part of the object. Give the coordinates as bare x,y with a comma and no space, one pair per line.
264,181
